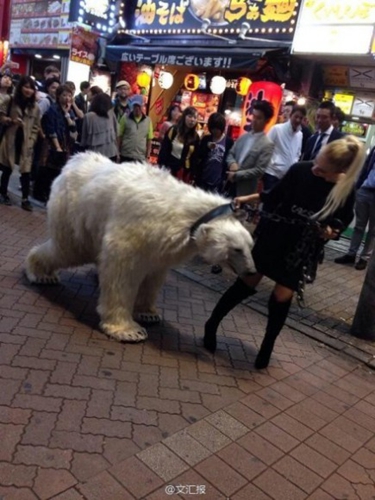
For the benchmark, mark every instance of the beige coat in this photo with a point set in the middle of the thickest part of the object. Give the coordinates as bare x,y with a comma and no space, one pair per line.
31,126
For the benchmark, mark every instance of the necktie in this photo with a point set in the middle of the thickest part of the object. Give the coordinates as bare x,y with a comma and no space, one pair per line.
318,145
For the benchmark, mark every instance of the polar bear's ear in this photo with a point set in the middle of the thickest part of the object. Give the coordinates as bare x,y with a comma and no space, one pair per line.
204,230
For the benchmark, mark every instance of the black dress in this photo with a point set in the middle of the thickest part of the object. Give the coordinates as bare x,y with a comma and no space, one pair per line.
280,251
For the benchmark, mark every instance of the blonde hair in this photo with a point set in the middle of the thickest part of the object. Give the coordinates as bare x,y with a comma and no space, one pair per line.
346,156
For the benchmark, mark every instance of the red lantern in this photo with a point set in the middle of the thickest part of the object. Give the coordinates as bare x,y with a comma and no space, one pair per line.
243,85
261,91
191,82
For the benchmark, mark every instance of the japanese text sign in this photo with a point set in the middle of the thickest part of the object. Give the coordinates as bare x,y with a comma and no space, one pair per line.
262,15
84,46
335,27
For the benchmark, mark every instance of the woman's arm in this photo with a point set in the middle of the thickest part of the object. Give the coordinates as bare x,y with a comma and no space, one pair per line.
165,150
242,200
79,114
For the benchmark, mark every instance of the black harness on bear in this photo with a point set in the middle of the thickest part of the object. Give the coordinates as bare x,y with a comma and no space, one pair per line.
209,216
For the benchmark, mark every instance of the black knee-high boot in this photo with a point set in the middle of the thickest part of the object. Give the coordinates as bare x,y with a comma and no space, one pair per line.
233,296
277,314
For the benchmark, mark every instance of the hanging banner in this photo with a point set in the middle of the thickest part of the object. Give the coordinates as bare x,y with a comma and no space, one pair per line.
178,56
274,18
84,46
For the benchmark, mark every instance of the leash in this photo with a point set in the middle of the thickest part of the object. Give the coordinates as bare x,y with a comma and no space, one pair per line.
306,252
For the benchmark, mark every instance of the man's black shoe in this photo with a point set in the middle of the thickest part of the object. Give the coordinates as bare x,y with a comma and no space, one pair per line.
361,265
345,259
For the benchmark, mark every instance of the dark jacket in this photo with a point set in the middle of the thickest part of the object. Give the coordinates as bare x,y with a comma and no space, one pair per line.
203,152
189,157
335,134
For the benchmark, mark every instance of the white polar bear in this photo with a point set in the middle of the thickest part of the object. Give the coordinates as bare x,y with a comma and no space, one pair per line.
134,221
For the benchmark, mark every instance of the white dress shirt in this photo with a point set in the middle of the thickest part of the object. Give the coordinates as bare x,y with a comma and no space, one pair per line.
288,144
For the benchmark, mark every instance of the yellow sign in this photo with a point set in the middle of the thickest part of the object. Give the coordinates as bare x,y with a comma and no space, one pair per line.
339,11
344,102
335,76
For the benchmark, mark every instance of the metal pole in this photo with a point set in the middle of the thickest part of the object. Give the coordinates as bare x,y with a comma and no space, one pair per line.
363,325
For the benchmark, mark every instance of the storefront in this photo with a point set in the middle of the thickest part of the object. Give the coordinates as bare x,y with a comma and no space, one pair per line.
207,55
336,39
40,35
69,34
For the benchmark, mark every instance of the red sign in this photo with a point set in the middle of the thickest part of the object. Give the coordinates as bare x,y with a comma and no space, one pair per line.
84,46
159,105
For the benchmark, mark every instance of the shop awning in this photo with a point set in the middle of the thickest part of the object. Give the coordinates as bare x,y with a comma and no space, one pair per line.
202,57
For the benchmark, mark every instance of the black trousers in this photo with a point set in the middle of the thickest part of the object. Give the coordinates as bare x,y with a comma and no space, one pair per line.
4,183
5,176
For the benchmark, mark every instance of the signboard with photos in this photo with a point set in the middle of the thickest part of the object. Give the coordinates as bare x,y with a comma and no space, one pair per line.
84,46
40,24
268,17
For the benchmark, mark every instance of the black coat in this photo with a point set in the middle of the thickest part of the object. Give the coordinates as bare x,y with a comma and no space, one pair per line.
203,153
298,196
335,134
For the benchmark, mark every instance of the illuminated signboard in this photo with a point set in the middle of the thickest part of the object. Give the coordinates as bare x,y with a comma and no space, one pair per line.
344,102
335,27
99,14
271,18
40,24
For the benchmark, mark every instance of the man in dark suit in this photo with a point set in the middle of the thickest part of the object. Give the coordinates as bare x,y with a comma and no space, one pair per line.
325,131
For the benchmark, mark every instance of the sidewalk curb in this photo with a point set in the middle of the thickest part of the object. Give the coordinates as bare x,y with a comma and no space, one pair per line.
347,348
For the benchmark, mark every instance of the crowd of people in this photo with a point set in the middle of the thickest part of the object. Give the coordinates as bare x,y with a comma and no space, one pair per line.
298,175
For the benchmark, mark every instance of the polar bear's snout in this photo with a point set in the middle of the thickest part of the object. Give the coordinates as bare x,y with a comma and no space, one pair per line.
228,243
240,260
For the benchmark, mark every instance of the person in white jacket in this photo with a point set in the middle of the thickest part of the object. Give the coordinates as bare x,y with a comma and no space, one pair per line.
287,138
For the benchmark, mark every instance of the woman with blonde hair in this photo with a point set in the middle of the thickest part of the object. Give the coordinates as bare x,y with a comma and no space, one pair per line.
312,204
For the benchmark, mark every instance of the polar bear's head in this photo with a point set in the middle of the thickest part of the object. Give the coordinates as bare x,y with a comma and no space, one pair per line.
226,242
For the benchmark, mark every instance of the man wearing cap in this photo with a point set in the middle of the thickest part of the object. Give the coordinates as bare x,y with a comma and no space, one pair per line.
135,132
121,103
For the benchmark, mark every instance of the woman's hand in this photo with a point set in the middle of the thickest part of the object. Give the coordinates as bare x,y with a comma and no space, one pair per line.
328,233
242,200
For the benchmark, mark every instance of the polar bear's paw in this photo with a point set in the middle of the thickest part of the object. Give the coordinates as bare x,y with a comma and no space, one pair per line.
46,279
148,318
125,333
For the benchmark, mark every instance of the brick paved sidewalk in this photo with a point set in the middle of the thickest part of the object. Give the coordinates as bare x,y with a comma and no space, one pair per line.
85,417
331,302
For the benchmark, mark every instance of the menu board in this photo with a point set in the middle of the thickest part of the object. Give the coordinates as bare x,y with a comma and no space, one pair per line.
40,24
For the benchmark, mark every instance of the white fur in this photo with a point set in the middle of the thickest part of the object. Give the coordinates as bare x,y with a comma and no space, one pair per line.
133,221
